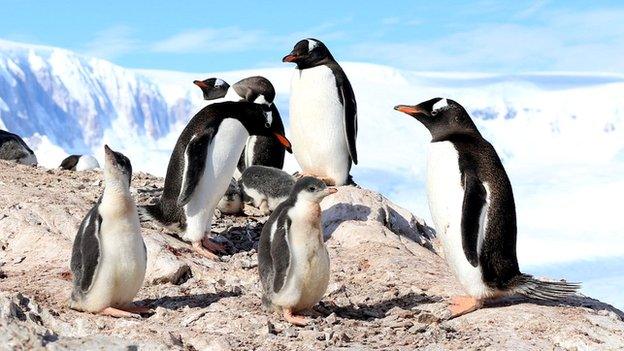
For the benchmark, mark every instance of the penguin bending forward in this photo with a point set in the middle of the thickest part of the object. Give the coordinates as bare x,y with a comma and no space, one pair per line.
472,205
292,258
323,114
13,148
259,149
108,258
202,164
79,163
266,187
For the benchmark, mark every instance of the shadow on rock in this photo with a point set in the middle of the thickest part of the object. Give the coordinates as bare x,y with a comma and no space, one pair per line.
192,301
343,212
572,301
379,310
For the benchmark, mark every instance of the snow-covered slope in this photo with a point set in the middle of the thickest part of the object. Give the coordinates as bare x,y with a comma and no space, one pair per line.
561,135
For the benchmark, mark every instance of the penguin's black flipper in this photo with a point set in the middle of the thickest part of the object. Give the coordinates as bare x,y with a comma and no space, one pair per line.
195,155
280,253
86,251
345,92
474,202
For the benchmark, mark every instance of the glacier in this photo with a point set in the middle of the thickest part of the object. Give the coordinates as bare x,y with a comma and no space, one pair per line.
560,135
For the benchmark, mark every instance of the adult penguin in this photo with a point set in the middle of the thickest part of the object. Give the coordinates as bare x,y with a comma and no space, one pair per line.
259,150
472,205
323,114
202,164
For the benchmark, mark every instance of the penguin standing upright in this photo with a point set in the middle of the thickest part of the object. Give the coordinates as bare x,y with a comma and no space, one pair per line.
13,148
293,262
323,114
108,258
79,163
259,150
472,205
202,164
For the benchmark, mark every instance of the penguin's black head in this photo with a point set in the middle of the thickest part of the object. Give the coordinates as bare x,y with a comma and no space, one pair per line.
258,120
309,53
213,88
311,189
255,89
116,165
441,116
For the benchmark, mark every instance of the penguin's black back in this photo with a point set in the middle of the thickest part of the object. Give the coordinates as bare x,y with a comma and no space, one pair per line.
267,151
12,146
498,254
70,162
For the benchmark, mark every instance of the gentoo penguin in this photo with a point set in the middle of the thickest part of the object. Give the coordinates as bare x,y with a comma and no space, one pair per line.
232,201
292,258
323,114
202,164
109,258
266,187
259,150
79,163
472,206
13,148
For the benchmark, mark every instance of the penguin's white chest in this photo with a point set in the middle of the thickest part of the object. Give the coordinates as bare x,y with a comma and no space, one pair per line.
446,195
122,264
221,159
317,124
308,274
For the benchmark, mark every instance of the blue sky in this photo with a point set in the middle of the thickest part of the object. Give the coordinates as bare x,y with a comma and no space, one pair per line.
201,36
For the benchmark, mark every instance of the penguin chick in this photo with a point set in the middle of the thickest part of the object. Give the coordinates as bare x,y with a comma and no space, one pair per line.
109,258
473,209
232,201
293,262
266,187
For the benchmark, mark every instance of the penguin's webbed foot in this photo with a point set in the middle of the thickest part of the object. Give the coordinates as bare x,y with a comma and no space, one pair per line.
206,248
132,308
294,319
461,305
118,313
328,181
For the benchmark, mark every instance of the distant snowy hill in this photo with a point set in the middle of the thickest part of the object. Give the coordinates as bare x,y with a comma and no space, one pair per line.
560,135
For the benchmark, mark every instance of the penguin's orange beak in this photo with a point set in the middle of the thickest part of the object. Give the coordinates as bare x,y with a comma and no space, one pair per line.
285,142
410,110
290,58
200,84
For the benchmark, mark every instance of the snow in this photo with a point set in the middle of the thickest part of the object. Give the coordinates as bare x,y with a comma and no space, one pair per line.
559,134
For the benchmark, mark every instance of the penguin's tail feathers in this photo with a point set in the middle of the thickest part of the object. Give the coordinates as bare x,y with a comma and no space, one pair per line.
534,288
151,213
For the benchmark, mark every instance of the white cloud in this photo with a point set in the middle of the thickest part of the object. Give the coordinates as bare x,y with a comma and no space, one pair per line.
229,39
560,41
112,42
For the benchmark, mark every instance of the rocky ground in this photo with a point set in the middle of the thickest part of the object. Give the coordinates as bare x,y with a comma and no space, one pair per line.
388,287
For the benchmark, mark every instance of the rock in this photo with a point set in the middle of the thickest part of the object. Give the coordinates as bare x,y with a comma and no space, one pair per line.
388,290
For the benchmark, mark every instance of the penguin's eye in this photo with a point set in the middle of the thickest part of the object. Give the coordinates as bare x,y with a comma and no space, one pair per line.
434,112
312,189
267,125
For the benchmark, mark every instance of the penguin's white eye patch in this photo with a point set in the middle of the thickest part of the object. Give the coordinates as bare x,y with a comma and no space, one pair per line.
262,100
219,82
312,44
438,106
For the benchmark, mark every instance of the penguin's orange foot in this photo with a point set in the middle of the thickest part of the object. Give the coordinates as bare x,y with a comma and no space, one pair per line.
117,313
294,319
461,305
200,249
328,181
132,308
212,246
